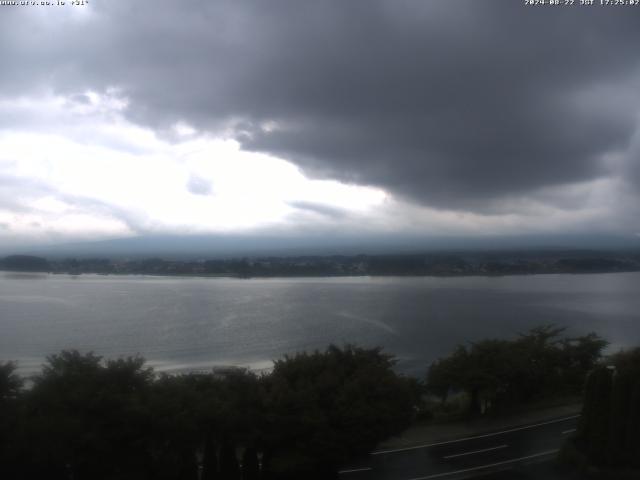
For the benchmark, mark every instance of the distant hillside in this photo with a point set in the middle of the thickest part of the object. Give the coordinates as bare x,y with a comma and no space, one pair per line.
425,264
189,247
24,263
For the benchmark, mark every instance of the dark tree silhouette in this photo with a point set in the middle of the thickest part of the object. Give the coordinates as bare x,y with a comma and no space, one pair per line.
501,373
610,421
229,467
210,459
250,466
327,406
10,391
89,418
10,383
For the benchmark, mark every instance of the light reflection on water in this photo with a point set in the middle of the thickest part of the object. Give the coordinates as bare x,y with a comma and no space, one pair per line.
193,323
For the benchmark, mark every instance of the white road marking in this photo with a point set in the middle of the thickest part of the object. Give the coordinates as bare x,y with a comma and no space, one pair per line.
568,431
475,451
382,452
354,470
482,467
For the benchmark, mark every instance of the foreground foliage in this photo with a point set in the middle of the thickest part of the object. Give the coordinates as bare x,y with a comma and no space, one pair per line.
499,374
87,418
608,431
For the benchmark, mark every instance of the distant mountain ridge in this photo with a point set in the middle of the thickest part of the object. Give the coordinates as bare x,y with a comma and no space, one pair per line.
424,264
25,263
236,245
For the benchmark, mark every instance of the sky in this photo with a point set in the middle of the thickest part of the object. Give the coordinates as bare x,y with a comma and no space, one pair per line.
367,118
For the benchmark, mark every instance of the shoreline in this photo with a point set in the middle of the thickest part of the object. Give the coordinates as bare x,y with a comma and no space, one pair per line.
349,275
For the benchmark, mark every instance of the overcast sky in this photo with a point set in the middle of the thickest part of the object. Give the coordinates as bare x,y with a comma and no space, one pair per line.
453,118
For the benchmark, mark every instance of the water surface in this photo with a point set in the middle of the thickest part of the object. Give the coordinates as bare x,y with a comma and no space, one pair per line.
193,323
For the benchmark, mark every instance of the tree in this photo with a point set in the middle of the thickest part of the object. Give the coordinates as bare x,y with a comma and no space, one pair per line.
10,383
229,468
608,429
446,374
10,391
175,431
579,357
250,465
210,459
485,370
326,406
594,422
498,373
88,419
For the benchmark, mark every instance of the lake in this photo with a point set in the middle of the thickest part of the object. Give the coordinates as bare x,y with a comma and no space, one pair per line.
194,323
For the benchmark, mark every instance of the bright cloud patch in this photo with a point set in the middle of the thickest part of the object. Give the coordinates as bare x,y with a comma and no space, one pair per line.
73,166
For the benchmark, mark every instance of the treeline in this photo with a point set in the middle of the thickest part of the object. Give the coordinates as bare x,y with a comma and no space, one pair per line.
83,417
498,374
341,265
88,418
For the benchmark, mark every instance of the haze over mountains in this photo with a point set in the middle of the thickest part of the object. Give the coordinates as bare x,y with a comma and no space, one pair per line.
222,246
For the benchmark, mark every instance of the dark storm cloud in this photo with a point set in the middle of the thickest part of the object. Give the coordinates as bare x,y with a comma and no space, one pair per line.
81,99
319,208
451,104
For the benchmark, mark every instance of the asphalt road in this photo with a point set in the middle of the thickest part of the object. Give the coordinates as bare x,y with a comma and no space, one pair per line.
514,449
